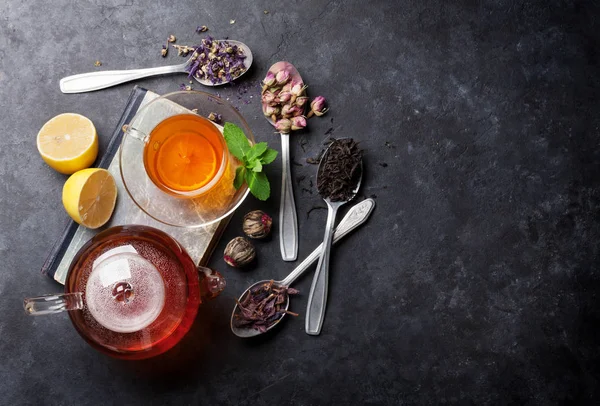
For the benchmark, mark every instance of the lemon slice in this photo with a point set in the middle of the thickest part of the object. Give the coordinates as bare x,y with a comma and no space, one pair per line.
89,197
68,143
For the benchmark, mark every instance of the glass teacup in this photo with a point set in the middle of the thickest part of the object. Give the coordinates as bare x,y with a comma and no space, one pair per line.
175,163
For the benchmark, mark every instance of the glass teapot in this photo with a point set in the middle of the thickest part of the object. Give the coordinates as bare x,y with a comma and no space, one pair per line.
132,292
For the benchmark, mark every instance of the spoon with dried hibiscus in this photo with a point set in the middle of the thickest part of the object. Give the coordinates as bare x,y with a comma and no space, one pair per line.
338,180
213,63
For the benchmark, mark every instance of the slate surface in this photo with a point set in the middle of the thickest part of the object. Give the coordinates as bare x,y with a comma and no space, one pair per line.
475,281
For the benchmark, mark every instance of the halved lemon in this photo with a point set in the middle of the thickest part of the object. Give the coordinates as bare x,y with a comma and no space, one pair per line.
68,143
89,197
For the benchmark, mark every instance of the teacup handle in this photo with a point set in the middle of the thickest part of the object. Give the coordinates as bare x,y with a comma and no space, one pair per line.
135,133
50,304
212,283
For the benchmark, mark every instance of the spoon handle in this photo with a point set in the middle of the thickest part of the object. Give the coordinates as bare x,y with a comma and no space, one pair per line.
317,298
87,82
288,220
357,215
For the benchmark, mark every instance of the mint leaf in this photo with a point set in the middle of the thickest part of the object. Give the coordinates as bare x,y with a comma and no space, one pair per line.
257,166
240,173
237,143
258,184
268,156
256,151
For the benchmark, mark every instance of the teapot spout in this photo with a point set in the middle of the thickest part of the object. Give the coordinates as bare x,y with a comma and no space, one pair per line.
212,283
50,304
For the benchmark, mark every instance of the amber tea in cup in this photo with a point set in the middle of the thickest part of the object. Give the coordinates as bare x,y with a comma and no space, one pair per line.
185,155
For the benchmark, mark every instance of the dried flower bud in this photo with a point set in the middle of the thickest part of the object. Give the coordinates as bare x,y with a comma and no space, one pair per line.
270,110
286,110
268,97
298,88
301,101
298,123
282,77
97,63
317,107
171,38
257,224
202,28
287,87
215,118
283,126
269,80
284,97
239,252
163,51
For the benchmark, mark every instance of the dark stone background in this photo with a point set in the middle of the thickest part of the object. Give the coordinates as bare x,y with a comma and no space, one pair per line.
476,279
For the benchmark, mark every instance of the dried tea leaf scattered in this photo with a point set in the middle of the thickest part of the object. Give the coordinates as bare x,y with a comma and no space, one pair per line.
263,306
201,28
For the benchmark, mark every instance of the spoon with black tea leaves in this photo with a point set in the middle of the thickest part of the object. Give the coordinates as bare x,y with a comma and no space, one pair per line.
357,215
88,82
288,219
317,298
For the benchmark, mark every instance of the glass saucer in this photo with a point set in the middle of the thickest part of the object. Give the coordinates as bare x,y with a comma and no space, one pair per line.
198,211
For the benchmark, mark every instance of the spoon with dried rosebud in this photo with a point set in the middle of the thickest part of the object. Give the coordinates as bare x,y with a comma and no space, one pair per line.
283,104
213,63
338,180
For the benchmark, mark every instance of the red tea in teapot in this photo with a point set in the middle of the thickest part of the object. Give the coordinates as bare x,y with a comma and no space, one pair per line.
138,290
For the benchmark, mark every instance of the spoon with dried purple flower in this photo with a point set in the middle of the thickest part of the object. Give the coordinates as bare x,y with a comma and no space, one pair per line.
264,304
338,180
213,63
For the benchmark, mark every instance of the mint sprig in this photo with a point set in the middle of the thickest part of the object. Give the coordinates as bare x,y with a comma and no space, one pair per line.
253,159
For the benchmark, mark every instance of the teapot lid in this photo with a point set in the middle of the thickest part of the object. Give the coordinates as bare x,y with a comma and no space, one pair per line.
124,292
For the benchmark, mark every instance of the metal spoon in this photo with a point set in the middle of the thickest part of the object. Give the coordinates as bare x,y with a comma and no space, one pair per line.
288,220
87,82
356,216
317,298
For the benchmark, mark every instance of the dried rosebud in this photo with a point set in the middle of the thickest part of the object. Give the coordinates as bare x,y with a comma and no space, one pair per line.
317,107
282,77
239,252
301,101
298,123
171,38
284,97
283,126
298,88
297,111
286,110
287,87
270,110
268,97
257,224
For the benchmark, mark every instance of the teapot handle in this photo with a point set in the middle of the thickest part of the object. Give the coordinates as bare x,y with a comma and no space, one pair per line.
50,304
212,283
